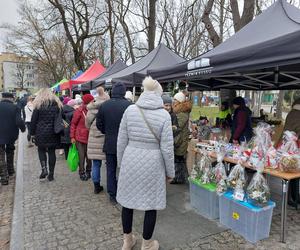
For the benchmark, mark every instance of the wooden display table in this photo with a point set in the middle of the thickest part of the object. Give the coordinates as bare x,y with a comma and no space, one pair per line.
285,179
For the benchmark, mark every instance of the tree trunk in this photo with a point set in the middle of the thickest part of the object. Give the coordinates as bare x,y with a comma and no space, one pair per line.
247,94
152,24
279,104
111,32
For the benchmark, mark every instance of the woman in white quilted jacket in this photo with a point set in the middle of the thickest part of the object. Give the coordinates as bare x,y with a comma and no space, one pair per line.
146,157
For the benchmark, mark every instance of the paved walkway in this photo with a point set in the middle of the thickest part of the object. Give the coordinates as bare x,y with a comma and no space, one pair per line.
6,208
65,214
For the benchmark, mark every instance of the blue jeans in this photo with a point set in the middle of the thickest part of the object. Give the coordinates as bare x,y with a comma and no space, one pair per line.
96,171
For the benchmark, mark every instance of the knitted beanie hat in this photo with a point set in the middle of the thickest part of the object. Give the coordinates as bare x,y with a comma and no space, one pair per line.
180,97
150,84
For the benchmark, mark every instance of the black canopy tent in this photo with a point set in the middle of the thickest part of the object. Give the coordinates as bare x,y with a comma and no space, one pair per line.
264,55
116,67
134,74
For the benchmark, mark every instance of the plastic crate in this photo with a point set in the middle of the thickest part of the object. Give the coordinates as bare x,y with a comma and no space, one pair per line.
247,220
204,199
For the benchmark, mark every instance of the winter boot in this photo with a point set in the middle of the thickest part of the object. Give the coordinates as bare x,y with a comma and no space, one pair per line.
44,170
97,188
83,177
88,175
150,245
4,181
51,173
10,163
129,241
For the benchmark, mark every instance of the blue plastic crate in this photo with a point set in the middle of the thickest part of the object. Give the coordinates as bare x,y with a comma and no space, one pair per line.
245,219
204,201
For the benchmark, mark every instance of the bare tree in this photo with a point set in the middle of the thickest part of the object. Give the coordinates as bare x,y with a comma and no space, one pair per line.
121,11
179,26
151,24
48,49
112,28
22,74
79,19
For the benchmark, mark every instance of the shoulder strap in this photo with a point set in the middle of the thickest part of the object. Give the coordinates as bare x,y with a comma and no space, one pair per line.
148,125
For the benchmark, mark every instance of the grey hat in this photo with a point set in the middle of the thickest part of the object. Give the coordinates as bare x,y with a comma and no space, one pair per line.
7,95
167,99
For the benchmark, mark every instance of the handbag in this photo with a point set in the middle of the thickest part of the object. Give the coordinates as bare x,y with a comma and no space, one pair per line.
58,123
148,125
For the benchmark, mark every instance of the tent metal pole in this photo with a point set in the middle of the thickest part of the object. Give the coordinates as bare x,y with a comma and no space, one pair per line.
133,93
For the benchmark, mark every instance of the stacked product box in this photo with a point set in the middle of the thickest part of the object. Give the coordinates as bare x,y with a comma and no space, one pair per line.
251,222
204,199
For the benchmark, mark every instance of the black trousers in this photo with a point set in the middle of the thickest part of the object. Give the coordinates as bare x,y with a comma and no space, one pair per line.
43,152
28,131
6,160
181,173
149,222
111,171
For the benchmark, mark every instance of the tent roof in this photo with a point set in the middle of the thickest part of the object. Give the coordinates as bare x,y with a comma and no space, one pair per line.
117,66
90,74
135,73
265,54
56,86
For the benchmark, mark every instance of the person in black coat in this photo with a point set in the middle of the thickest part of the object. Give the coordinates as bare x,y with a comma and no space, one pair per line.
11,122
108,122
67,114
47,107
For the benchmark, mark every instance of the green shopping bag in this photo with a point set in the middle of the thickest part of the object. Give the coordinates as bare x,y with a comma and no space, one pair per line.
73,158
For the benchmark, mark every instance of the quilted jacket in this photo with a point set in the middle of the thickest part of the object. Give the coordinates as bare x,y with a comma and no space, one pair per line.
42,126
144,161
182,111
96,138
78,130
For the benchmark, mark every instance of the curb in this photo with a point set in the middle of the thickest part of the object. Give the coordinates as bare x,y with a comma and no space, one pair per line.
17,230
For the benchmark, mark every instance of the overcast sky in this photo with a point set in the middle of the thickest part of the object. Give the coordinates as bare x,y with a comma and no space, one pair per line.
8,14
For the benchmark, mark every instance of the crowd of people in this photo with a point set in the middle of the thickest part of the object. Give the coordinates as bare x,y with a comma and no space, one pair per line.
148,140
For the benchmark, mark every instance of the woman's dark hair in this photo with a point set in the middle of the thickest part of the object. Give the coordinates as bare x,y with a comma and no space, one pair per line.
239,101
225,104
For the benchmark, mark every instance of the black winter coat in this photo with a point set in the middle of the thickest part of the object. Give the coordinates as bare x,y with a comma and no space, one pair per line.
42,126
11,122
108,121
67,115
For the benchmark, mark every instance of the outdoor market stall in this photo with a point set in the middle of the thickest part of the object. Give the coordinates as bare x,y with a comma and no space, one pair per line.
259,155
264,55
90,74
114,68
56,87
134,74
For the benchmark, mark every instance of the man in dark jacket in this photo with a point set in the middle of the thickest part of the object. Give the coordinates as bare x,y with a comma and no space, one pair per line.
11,122
108,122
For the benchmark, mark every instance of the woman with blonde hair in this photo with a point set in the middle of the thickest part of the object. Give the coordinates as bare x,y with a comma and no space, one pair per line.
146,157
47,107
